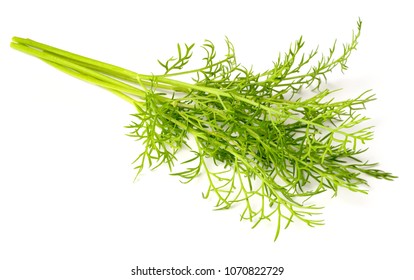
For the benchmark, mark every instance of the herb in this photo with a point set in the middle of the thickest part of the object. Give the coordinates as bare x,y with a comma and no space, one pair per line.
279,135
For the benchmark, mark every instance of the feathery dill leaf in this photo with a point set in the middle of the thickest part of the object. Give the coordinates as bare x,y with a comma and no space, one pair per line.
277,145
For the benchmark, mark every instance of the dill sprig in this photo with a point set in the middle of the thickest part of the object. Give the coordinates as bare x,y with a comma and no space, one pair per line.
278,144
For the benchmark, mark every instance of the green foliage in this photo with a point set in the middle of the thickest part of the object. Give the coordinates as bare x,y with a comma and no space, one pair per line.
279,137
177,63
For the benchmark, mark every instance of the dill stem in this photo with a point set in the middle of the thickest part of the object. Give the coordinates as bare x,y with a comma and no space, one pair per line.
79,60
95,81
88,75
73,56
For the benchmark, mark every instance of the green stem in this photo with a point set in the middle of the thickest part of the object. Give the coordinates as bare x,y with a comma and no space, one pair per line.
94,81
88,75
75,57
103,67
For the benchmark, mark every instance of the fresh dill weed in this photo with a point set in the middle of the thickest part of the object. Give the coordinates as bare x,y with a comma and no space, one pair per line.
277,145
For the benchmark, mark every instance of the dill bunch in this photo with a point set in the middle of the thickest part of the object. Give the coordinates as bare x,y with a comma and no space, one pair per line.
277,145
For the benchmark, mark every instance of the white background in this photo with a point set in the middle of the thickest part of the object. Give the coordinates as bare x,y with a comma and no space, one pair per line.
69,208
